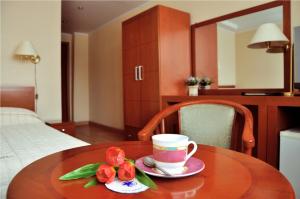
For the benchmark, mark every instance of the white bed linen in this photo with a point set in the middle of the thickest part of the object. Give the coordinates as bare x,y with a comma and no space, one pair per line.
21,144
12,116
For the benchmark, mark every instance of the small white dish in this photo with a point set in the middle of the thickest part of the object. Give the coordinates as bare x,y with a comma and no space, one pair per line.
131,186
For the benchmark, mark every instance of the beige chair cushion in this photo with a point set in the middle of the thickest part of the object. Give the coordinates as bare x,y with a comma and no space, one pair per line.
209,124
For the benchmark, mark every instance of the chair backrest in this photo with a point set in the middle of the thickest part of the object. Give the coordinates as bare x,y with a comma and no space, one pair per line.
207,122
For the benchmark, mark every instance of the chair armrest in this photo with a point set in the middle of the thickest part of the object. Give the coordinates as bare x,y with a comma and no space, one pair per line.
247,135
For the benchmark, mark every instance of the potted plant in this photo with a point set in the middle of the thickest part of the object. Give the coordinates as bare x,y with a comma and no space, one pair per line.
205,82
193,85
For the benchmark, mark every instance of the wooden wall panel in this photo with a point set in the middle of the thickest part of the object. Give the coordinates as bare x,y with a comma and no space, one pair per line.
174,54
206,52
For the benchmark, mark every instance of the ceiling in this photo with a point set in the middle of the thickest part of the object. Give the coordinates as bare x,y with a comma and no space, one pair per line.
86,16
254,20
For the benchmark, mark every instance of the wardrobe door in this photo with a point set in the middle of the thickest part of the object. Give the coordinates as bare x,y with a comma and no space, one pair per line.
131,83
132,94
149,65
148,110
150,82
130,74
131,33
132,113
148,26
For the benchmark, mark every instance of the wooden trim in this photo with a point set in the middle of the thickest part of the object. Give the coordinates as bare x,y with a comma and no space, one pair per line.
226,86
72,82
21,97
233,91
193,61
286,4
109,128
65,97
241,13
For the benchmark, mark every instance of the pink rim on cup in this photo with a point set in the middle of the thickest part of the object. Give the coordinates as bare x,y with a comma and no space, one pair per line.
170,152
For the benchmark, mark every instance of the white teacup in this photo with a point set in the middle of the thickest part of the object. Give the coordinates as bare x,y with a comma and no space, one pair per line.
170,151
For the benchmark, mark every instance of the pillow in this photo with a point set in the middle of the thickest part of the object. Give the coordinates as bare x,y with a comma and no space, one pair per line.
12,116
13,110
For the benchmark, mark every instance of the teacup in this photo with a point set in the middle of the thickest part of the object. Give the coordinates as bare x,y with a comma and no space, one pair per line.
170,151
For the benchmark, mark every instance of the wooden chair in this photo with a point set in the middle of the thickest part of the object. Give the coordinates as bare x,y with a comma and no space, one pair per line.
213,122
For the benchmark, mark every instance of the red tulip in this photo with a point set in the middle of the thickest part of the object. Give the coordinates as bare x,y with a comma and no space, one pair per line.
115,156
126,171
106,173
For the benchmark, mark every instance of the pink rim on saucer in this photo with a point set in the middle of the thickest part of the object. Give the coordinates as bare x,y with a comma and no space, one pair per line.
193,166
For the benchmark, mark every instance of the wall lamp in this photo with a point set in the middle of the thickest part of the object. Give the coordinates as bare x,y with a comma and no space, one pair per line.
269,36
26,52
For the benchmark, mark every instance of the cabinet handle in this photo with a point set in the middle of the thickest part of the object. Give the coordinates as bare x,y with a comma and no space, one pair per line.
63,130
136,73
141,73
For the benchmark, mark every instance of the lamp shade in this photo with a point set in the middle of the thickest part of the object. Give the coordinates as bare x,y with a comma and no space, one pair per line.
268,35
25,48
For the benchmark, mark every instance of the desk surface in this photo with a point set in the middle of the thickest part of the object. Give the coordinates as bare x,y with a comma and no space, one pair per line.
228,174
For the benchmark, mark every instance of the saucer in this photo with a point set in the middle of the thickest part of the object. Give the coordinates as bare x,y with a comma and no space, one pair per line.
191,167
131,186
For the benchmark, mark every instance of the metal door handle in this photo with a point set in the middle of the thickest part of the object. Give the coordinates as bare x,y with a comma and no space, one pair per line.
140,72
136,78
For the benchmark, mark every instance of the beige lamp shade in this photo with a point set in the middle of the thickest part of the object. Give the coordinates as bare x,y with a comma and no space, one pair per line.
269,36
25,49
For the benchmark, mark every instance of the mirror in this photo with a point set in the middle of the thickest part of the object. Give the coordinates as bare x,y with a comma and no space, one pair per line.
220,50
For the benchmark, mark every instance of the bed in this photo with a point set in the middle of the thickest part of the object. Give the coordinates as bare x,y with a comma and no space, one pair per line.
24,137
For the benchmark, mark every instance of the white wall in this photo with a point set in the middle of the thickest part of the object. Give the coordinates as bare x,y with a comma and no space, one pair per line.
81,77
40,23
295,14
226,56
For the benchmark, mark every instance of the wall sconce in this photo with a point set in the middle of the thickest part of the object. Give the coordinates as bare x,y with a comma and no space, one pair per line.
27,52
269,36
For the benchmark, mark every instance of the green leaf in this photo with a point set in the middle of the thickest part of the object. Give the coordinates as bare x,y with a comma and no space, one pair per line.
91,183
144,179
82,172
130,160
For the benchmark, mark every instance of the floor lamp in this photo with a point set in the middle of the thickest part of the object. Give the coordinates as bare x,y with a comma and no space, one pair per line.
27,52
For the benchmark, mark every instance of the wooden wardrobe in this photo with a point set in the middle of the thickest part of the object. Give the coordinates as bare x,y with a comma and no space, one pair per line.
156,61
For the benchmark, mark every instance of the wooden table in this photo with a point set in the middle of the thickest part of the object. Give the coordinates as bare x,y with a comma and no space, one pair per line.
228,174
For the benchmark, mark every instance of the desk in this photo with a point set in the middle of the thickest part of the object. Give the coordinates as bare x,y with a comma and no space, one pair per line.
228,174
271,114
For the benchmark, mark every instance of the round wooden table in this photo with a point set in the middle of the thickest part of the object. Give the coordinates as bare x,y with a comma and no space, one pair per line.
228,174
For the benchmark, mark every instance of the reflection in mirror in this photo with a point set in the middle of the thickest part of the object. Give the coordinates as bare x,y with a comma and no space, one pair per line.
243,67
221,53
